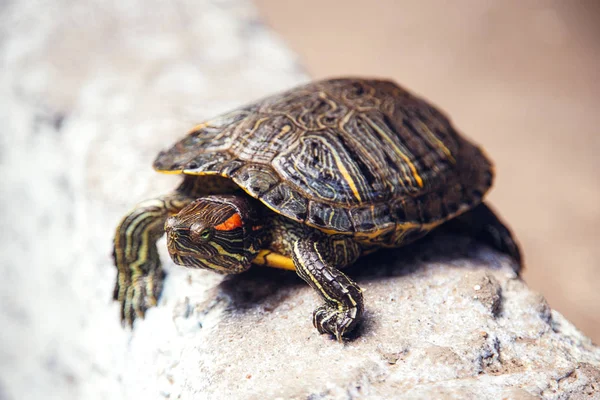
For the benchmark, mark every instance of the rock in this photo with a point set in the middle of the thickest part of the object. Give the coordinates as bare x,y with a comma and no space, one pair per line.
446,315
91,92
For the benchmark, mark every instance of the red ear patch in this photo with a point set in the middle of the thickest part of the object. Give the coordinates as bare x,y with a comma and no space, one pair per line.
235,221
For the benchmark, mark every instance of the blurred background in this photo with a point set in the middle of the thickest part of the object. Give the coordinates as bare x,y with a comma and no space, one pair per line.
520,78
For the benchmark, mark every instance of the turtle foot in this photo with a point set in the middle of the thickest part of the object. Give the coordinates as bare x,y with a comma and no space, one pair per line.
136,297
329,319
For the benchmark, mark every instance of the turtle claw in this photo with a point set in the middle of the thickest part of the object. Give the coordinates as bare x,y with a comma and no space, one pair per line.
137,297
328,319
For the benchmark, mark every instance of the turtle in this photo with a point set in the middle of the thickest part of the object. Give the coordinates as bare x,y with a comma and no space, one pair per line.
309,180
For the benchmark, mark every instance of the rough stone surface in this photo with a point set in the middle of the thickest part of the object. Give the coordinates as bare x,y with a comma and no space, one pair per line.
90,92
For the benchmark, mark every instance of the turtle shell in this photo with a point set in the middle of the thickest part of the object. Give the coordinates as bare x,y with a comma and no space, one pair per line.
350,156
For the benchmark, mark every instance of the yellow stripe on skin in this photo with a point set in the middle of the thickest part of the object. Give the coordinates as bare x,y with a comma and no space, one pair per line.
268,258
141,256
316,282
222,251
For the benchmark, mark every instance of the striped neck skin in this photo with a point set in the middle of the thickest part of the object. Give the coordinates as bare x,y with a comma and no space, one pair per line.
215,232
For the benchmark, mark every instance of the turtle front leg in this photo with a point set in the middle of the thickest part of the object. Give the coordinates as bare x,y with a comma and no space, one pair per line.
317,260
140,276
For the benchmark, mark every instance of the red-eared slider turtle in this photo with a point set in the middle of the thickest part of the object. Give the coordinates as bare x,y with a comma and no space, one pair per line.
308,180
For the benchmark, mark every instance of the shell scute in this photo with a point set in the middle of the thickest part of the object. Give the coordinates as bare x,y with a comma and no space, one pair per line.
329,217
255,179
354,156
373,218
287,201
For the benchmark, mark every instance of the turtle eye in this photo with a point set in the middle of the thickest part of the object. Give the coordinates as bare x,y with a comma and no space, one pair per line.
199,233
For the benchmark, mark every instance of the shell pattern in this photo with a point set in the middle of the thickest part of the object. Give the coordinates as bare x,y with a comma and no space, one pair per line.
349,156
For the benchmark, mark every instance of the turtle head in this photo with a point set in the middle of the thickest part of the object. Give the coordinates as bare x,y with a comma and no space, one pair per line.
220,233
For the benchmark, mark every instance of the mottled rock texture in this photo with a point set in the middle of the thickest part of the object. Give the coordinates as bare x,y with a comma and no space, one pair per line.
90,92
445,316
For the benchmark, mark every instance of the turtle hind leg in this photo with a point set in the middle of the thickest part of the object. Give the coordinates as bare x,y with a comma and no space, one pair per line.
483,224
140,275
316,260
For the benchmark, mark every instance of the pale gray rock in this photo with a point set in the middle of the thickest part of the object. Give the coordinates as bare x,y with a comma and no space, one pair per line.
90,91
446,318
